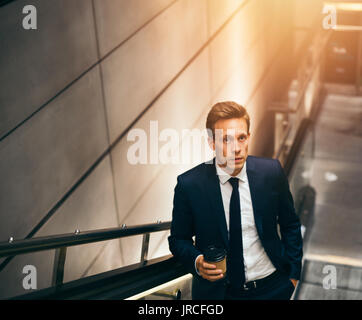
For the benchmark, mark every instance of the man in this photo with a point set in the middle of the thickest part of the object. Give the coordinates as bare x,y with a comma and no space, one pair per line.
236,203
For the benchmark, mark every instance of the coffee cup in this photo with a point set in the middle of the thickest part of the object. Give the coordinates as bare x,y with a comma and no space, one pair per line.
217,257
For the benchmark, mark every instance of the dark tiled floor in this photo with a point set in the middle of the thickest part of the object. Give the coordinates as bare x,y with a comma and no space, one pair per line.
336,236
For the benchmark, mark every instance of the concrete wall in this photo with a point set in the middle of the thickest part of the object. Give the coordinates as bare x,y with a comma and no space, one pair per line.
92,71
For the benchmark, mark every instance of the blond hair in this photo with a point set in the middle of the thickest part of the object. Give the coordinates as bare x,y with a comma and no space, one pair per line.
225,110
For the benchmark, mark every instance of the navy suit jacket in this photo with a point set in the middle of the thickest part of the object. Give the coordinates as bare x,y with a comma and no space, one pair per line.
198,212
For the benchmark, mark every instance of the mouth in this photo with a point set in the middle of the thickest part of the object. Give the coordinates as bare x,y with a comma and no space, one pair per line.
238,159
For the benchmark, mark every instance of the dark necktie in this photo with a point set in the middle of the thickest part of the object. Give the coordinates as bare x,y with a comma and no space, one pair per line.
235,260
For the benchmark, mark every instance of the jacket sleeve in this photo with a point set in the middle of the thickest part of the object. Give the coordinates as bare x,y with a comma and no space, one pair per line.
290,227
182,229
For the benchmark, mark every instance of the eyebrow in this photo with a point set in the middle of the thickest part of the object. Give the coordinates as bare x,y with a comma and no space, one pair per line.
240,135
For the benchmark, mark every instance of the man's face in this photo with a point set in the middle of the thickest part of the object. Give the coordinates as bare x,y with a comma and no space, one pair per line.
231,144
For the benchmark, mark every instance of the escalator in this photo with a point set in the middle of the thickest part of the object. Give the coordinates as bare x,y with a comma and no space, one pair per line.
332,251
165,278
312,145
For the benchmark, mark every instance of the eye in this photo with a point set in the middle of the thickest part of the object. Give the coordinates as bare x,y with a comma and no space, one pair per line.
242,138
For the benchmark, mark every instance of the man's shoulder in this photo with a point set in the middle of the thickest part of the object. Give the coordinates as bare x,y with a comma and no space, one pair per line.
261,160
201,170
265,166
194,173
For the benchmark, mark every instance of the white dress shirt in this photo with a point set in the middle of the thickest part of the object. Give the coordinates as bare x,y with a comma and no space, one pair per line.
256,262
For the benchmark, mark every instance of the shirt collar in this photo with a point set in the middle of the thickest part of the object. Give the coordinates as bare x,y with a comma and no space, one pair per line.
224,176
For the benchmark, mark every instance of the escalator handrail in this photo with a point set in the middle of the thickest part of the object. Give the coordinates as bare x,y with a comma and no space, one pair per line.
17,247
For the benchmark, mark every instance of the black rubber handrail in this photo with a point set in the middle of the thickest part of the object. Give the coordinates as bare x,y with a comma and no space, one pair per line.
73,239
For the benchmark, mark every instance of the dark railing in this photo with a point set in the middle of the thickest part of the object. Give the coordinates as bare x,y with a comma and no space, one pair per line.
120,282
73,239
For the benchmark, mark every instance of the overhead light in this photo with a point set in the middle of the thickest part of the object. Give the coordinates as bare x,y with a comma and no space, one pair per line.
341,27
345,6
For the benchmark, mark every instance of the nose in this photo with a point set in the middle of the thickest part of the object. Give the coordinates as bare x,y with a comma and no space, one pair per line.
236,147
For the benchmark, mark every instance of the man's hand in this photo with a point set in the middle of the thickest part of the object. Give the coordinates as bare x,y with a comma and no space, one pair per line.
208,271
294,282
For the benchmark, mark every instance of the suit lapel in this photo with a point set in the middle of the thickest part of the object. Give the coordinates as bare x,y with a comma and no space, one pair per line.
214,193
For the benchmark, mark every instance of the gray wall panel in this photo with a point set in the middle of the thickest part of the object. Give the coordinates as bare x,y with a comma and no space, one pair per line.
11,278
232,45
91,207
109,258
177,109
220,11
42,159
36,64
118,19
141,68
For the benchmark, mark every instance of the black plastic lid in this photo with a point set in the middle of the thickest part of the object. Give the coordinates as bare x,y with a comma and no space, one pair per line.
214,254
